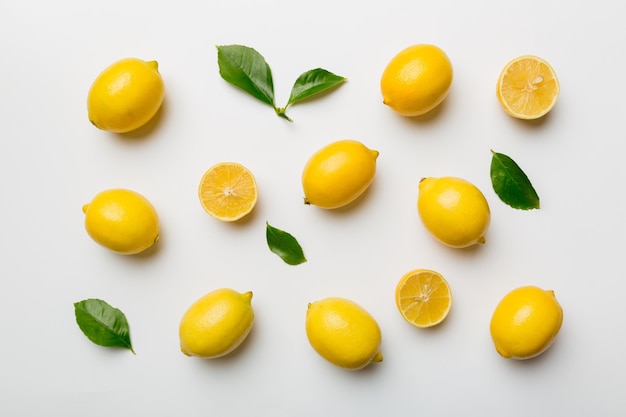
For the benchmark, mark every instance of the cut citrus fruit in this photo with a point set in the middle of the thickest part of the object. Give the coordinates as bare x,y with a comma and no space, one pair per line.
528,87
423,297
228,191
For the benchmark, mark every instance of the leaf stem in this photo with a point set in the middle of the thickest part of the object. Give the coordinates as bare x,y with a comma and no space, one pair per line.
280,111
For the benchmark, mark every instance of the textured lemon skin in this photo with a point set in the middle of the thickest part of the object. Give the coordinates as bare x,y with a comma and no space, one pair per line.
416,80
126,95
216,324
343,333
338,174
122,220
453,210
526,322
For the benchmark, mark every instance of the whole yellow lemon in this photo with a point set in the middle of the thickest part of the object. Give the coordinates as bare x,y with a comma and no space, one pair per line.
343,333
338,174
121,220
126,95
453,210
216,324
416,80
526,322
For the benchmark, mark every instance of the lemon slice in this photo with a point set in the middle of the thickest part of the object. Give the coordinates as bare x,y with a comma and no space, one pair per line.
528,87
423,297
228,191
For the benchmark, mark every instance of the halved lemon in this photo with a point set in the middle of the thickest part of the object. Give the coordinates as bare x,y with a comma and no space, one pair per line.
423,297
528,87
228,191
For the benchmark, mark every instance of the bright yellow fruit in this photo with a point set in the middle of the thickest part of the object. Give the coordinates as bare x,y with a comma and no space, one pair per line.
126,95
526,322
338,174
122,220
453,210
423,297
527,87
416,80
343,333
228,191
216,324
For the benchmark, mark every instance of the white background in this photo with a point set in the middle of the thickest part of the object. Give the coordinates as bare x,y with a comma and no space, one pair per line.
52,161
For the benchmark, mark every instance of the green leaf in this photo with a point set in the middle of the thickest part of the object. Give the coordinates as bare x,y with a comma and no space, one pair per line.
511,183
284,245
102,324
313,82
245,68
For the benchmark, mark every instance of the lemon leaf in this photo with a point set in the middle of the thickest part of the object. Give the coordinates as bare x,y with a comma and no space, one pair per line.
246,69
103,324
284,245
313,82
511,183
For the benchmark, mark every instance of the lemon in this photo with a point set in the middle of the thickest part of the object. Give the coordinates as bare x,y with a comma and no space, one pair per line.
423,297
122,220
416,80
528,87
228,191
338,174
453,210
126,95
216,324
526,322
343,333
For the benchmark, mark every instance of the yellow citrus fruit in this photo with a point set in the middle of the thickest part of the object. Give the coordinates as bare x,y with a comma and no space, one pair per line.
126,95
228,191
122,220
423,297
526,322
416,80
528,87
453,210
338,174
216,324
343,333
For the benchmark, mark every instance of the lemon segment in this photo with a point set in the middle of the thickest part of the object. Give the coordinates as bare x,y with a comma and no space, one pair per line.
343,333
526,322
228,191
121,220
423,298
527,87
216,324
338,174
126,95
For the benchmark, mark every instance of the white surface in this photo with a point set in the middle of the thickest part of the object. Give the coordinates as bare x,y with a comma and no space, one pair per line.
52,161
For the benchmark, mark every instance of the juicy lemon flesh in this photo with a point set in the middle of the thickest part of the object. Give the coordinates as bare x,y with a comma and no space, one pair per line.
453,210
416,80
216,324
528,87
343,333
338,174
423,297
526,322
122,220
228,191
126,95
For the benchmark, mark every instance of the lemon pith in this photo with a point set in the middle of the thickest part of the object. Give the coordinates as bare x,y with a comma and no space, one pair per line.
423,297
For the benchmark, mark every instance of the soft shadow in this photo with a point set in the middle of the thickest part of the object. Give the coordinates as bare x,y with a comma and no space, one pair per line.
354,205
234,356
146,131
426,118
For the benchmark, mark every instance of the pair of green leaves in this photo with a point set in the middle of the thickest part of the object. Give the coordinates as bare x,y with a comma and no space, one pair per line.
245,68
103,324
511,184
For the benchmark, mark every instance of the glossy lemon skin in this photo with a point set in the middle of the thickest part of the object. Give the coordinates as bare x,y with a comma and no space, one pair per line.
453,210
216,324
343,333
122,220
416,80
338,174
126,95
526,322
